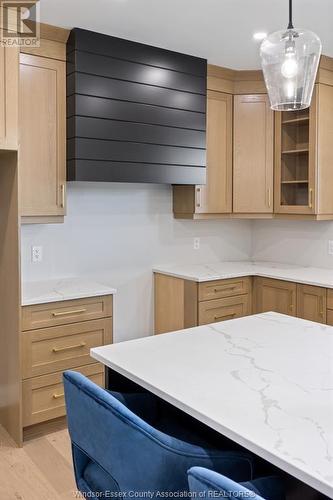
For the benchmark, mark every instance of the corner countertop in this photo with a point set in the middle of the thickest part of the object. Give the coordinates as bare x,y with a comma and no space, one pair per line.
56,290
264,381
316,276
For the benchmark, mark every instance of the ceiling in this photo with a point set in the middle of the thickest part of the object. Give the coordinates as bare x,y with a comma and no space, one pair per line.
219,30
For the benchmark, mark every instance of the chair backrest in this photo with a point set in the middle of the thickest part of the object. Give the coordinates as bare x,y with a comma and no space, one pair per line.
137,456
208,484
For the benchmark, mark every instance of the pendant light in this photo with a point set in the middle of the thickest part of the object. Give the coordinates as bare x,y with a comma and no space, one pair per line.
290,60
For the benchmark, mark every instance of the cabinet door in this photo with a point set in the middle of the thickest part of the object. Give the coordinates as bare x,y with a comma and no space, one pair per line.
274,295
9,65
311,303
42,159
253,154
216,195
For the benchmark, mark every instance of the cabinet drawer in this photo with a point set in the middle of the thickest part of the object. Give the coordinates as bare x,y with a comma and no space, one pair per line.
223,288
329,298
68,311
60,348
223,309
43,397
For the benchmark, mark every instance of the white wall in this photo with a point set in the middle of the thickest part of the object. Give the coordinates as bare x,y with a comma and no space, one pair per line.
117,232
293,242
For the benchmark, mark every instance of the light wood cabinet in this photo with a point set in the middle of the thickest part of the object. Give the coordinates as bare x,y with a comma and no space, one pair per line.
253,154
304,157
42,157
215,197
183,303
212,311
9,98
56,337
274,295
311,303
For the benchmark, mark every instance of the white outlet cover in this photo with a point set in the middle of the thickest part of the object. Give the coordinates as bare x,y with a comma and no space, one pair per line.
196,243
36,253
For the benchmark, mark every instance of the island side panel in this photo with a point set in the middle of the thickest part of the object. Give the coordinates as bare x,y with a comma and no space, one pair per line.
176,303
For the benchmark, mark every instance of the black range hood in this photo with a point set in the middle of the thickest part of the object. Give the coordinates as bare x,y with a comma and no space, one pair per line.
135,113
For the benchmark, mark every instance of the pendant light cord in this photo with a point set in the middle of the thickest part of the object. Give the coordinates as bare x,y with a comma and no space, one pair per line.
290,25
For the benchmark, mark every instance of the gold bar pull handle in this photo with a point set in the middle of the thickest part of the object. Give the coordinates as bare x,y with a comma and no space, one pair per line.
67,348
321,306
58,396
225,316
223,289
67,313
198,197
310,198
62,191
291,306
269,200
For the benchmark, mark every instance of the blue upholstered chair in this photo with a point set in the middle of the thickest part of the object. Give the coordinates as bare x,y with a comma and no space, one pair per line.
206,483
117,446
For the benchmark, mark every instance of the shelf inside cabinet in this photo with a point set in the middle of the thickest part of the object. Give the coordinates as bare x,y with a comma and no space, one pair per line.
295,151
300,120
305,181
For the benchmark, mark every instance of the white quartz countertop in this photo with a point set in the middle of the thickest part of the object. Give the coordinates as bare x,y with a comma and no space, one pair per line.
222,270
41,292
265,381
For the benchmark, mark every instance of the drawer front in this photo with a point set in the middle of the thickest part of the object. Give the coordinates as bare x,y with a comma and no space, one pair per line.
329,298
66,312
43,397
60,348
222,309
223,288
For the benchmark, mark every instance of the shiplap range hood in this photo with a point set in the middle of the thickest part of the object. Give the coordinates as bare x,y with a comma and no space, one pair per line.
135,113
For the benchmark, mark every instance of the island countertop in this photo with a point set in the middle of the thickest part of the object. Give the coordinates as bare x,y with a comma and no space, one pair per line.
265,381
316,276
55,290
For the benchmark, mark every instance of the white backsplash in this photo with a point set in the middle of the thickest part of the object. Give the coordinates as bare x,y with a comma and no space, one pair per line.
117,233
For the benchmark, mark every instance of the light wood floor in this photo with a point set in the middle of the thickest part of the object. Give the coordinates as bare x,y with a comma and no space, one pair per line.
41,470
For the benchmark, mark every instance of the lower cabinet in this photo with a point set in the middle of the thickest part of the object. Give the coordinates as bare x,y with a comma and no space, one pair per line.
44,398
56,337
181,304
311,303
274,295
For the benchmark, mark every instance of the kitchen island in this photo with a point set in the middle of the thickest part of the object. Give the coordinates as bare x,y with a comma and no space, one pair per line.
264,381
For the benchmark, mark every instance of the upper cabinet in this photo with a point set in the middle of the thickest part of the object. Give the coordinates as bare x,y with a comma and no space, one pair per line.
253,155
304,158
8,98
42,154
215,197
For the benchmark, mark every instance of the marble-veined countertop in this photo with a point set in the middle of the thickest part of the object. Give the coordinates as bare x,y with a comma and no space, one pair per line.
265,381
55,290
234,269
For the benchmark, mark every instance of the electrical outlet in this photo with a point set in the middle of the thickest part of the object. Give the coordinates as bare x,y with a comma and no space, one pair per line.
330,247
37,254
196,243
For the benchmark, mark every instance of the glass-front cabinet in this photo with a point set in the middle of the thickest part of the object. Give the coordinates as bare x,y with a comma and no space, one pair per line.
295,161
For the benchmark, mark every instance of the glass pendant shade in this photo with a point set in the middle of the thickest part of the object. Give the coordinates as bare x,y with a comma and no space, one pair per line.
290,60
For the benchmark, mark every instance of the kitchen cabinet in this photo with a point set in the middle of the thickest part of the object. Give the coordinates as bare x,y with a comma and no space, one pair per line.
274,295
9,98
215,197
303,158
56,337
183,303
311,303
42,156
253,155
